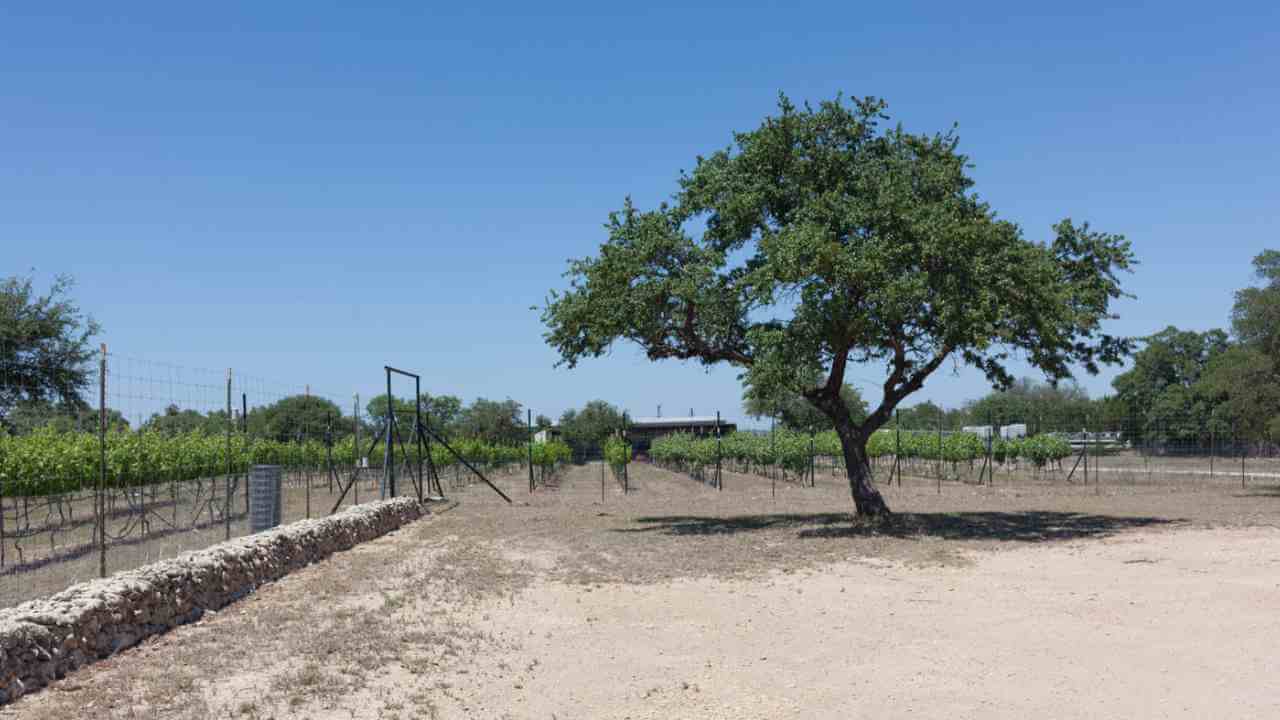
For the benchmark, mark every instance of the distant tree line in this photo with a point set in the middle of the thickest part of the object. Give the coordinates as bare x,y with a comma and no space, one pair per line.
1185,387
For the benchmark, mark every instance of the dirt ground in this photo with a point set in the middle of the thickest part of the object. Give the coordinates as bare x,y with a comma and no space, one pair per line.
759,601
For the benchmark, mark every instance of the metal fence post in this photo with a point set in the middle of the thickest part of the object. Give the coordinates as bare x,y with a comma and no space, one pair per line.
355,474
897,447
529,442
719,474
1097,461
1085,449
101,504
940,470
773,459
417,431
1244,451
626,475
226,514
388,457
813,479
1213,446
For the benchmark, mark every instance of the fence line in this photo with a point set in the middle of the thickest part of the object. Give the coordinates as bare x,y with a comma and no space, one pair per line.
151,459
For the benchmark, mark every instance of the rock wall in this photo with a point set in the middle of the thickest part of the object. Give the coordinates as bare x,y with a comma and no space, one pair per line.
43,640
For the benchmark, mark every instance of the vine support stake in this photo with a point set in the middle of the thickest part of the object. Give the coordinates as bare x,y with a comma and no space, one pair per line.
719,475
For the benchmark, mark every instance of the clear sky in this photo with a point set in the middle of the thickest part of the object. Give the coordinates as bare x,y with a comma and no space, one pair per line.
306,191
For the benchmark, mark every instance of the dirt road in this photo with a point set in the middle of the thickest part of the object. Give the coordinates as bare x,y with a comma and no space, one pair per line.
1169,625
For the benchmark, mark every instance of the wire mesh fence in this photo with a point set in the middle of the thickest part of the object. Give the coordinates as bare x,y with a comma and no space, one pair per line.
145,460
1167,449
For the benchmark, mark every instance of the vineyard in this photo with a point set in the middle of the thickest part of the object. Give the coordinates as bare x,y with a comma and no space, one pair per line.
51,462
794,453
63,519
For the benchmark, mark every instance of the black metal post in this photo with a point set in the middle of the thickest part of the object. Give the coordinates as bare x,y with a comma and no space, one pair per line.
417,421
719,474
530,444
991,448
773,460
306,478
102,464
1097,472
897,448
388,456
328,448
458,456
1244,450
626,476
813,472
227,483
355,474
1086,451
940,453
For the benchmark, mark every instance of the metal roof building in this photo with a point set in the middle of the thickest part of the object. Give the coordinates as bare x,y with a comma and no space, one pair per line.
642,431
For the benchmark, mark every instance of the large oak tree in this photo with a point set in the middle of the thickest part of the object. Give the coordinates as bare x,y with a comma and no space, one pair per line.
826,237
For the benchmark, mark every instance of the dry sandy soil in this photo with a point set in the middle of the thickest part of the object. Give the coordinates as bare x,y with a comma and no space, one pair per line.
678,601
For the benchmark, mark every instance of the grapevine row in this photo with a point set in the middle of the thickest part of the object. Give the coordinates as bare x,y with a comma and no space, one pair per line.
49,462
792,451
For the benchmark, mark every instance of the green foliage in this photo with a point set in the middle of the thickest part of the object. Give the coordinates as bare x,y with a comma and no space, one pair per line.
766,395
791,450
175,421
494,421
49,461
1255,316
827,236
442,413
551,453
1243,387
376,409
296,416
617,452
586,430
1162,389
45,353
1033,403
29,416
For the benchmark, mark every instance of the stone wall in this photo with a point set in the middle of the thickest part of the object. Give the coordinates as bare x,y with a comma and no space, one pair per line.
43,640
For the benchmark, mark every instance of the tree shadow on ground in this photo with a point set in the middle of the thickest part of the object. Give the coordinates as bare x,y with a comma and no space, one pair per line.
1028,526
1272,491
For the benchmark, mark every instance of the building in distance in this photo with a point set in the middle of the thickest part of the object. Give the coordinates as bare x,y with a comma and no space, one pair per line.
642,431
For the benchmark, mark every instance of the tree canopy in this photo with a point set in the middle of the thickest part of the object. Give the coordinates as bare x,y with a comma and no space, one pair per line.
585,430
786,403
1033,403
826,237
1255,316
1162,390
494,421
45,349
290,418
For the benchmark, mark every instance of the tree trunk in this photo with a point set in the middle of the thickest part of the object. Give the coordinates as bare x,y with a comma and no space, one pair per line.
866,499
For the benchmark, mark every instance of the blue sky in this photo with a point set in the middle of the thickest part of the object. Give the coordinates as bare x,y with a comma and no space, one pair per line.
305,191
